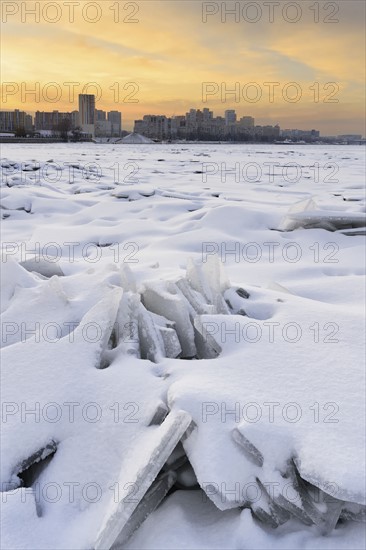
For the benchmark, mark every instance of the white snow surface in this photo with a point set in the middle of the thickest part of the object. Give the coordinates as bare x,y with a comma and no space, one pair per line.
87,227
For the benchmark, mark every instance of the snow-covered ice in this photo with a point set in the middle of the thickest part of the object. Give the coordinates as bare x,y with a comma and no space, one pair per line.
183,344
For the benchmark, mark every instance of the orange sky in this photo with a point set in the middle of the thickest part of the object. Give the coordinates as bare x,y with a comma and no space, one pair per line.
167,50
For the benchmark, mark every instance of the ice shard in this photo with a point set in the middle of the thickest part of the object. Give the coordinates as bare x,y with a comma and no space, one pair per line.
314,501
209,280
307,215
127,324
266,510
157,492
353,512
140,469
151,340
159,414
250,451
169,335
165,300
212,346
178,457
195,299
106,323
128,279
172,346
36,457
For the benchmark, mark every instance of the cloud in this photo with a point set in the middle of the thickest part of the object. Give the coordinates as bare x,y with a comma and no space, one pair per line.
170,52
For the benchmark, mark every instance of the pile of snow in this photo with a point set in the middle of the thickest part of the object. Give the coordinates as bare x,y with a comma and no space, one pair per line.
135,138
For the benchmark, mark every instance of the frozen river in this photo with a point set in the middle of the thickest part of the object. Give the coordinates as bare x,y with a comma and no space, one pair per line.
226,281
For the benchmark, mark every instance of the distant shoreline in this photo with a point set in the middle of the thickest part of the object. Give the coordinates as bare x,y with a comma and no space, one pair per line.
39,141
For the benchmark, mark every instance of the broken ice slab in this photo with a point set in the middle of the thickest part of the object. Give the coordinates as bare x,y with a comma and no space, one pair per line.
211,347
217,331
331,516
204,350
264,517
168,333
266,510
328,487
209,280
47,268
323,509
353,232
177,458
296,511
172,346
151,341
154,496
286,495
307,215
126,328
353,512
188,431
308,503
330,508
296,498
250,451
195,299
138,471
167,301
128,280
338,220
106,322
37,456
287,224
159,414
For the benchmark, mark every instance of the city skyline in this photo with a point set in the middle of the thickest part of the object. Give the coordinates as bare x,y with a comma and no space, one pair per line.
195,124
159,55
261,118
100,122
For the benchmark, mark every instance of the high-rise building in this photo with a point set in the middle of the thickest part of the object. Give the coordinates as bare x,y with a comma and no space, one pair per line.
103,128
51,120
87,113
230,117
154,126
247,122
178,127
115,118
100,115
10,121
75,119
268,131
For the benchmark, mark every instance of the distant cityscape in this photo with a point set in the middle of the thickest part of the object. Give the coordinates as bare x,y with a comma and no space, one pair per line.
89,123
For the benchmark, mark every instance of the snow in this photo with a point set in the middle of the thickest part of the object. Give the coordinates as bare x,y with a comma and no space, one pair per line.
135,138
143,281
